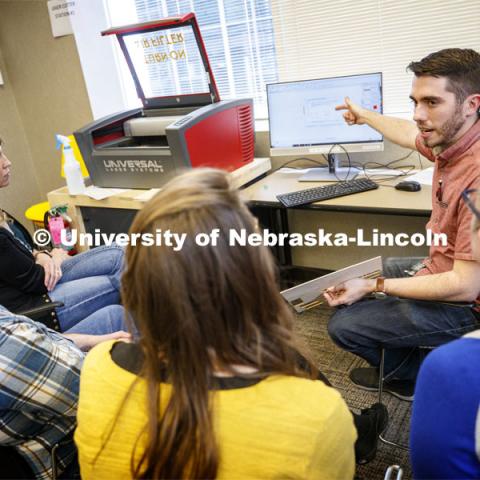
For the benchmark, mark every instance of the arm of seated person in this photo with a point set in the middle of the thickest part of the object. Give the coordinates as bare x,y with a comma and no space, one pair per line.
461,284
19,269
52,264
86,342
52,269
59,255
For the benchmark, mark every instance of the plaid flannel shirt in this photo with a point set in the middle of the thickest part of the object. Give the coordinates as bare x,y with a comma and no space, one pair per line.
39,384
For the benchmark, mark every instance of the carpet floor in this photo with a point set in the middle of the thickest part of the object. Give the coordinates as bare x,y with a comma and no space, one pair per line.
335,364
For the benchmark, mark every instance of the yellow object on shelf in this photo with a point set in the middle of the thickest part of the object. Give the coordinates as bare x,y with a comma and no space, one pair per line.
36,212
78,157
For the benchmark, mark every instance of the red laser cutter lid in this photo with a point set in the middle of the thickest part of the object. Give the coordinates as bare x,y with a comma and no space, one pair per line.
168,62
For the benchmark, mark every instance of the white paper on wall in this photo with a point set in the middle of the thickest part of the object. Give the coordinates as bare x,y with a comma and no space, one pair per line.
60,12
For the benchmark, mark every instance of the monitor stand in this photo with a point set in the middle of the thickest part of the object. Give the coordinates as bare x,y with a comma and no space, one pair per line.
332,173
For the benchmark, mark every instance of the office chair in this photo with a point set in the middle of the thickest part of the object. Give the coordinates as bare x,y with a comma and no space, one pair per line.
391,469
36,312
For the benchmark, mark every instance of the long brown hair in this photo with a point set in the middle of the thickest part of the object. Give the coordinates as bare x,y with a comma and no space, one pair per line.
198,310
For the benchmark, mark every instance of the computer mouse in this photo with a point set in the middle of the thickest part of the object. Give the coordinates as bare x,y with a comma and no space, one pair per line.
408,186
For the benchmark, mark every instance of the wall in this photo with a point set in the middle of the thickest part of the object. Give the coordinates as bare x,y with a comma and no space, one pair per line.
333,258
45,79
23,190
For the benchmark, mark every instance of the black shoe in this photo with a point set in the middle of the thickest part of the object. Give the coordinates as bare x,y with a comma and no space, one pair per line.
367,379
371,423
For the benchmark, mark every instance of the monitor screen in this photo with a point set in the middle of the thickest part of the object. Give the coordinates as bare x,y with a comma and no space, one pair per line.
302,114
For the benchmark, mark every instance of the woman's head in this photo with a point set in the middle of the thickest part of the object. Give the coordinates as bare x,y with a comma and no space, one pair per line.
223,298
5,165
198,310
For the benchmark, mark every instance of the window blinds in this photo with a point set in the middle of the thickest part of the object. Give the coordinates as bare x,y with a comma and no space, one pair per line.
321,38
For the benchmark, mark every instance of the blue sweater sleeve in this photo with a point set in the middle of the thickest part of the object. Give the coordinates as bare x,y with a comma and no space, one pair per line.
445,410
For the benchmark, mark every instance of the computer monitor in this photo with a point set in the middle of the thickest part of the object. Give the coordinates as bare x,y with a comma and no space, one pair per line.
304,122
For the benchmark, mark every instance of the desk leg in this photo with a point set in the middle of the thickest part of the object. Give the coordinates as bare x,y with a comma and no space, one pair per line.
280,225
275,220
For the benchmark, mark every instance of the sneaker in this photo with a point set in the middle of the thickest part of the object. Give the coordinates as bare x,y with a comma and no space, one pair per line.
371,423
367,378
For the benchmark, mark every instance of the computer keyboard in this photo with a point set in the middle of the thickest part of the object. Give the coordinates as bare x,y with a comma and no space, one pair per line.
326,192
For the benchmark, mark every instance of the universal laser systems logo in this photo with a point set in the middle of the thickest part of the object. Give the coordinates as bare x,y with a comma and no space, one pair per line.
241,237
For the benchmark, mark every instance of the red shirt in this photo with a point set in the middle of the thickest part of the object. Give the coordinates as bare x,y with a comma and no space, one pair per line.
456,168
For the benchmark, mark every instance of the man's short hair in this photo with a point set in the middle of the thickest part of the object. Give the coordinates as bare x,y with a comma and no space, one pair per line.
460,66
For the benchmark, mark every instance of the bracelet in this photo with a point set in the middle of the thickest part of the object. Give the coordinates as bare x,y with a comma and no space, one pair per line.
42,251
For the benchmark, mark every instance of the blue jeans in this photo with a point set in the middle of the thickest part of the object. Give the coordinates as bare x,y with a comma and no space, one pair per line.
399,325
90,291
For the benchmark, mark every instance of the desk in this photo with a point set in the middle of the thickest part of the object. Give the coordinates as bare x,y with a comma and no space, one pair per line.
115,214
384,200
117,211
386,208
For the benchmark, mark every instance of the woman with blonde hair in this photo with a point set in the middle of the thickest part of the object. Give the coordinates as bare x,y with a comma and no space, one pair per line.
213,387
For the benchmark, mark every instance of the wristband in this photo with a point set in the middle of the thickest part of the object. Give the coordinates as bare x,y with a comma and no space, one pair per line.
379,291
44,252
380,285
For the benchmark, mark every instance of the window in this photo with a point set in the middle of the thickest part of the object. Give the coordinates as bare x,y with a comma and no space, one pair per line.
321,38
238,36
254,42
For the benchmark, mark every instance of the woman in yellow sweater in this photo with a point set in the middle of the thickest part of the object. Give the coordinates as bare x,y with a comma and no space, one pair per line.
212,389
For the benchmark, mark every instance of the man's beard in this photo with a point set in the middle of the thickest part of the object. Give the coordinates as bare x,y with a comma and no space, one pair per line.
448,131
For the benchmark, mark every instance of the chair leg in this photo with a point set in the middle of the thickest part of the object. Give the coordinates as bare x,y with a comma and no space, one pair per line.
381,375
391,469
381,379
54,462
392,444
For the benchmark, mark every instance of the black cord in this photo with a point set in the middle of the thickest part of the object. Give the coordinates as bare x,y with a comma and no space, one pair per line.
405,169
349,163
420,160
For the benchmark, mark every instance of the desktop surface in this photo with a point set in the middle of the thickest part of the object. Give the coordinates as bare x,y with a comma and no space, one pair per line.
384,200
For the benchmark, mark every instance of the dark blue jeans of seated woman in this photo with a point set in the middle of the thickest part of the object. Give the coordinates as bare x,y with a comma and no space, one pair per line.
90,291
398,325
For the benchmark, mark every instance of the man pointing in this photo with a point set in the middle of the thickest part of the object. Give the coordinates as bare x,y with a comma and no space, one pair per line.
416,309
